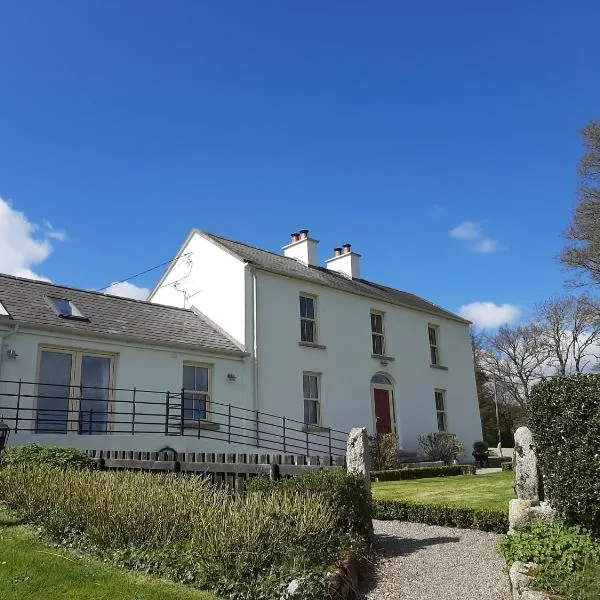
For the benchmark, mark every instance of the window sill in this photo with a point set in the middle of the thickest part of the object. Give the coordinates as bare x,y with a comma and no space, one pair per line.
191,424
315,429
383,357
440,367
312,345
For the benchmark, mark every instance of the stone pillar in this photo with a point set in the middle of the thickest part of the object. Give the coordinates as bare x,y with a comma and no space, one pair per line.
357,454
527,476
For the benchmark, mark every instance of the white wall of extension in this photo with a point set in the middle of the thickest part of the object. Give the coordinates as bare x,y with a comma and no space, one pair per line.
144,367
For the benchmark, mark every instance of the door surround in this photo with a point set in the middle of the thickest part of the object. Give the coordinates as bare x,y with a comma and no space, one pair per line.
382,381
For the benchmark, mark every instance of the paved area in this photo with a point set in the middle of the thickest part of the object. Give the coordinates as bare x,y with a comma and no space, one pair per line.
425,562
486,470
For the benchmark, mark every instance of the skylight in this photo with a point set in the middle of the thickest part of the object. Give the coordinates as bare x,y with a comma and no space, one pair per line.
65,308
3,311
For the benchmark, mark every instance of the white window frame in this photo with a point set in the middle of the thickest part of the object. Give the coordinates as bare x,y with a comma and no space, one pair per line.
207,395
434,348
443,412
377,334
316,400
312,321
74,390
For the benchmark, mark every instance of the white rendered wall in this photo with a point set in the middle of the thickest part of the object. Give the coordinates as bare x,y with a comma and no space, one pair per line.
346,365
213,283
143,367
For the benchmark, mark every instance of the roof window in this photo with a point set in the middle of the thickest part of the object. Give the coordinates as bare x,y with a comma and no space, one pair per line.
65,309
3,311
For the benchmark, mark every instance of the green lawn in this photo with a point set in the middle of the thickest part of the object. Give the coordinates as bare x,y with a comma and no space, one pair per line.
492,491
31,570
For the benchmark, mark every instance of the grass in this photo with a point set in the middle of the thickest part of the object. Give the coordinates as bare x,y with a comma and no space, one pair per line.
31,570
492,491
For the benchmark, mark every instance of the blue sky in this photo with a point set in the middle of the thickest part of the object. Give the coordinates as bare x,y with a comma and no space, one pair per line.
388,125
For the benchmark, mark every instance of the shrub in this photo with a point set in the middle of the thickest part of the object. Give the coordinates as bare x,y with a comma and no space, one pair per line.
181,527
507,466
558,549
480,447
436,514
33,455
383,449
423,472
564,416
346,493
440,446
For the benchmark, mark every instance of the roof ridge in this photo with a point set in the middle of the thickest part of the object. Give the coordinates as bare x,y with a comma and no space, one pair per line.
83,290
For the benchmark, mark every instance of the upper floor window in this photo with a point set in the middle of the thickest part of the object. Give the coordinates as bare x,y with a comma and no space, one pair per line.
434,349
196,392
440,409
377,337
312,399
308,319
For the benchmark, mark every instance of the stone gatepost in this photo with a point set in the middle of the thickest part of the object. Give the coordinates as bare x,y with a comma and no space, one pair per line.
357,454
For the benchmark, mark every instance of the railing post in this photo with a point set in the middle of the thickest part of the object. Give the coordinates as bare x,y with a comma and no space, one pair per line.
229,425
307,442
133,413
18,407
329,430
91,418
167,412
284,449
257,429
181,428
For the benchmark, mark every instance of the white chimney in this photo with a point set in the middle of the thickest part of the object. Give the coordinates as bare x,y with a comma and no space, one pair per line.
302,248
345,261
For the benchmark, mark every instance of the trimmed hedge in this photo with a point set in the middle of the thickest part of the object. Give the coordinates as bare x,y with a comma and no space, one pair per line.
345,492
564,416
436,514
423,472
507,466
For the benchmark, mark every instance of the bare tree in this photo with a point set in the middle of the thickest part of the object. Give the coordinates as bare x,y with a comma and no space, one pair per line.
582,252
516,358
571,331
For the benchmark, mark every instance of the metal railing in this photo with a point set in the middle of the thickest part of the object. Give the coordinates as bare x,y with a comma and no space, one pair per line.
39,408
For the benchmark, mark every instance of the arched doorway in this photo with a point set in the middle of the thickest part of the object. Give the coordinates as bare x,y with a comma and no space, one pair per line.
382,398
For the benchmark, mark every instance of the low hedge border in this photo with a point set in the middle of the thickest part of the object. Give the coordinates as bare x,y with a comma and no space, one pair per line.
422,472
507,466
436,514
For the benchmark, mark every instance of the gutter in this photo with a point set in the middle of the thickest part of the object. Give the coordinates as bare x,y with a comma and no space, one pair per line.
3,338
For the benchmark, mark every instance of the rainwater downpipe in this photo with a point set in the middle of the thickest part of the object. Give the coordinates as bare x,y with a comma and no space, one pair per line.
255,347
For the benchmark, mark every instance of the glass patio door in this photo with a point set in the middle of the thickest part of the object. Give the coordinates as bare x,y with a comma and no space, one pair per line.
73,392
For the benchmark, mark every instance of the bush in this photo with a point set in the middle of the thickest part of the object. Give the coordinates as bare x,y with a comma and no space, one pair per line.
33,455
181,527
558,549
440,446
564,416
423,472
480,447
507,466
345,492
436,514
383,449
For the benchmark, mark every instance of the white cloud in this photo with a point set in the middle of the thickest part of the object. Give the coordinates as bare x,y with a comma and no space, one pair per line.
467,230
23,245
127,290
489,314
55,234
471,232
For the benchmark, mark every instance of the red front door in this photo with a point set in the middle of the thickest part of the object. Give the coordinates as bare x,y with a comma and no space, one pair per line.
383,415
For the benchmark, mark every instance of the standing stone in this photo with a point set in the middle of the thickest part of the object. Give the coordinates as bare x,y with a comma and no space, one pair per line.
527,479
357,454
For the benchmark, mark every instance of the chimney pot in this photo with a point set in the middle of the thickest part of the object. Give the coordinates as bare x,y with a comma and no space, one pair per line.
337,251
347,248
295,237
303,234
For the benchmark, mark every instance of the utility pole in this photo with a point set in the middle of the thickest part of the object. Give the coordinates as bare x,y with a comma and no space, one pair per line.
497,419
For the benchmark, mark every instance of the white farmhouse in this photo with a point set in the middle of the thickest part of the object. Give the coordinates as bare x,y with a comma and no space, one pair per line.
237,350
327,347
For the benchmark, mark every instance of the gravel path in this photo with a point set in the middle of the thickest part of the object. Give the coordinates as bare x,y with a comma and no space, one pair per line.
425,562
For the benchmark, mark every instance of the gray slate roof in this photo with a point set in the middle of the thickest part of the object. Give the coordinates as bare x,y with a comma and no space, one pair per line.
282,265
26,302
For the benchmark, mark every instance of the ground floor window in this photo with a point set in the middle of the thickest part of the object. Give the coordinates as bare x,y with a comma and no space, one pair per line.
312,398
440,409
196,392
73,391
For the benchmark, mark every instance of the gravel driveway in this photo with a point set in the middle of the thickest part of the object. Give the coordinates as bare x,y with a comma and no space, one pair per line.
426,562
